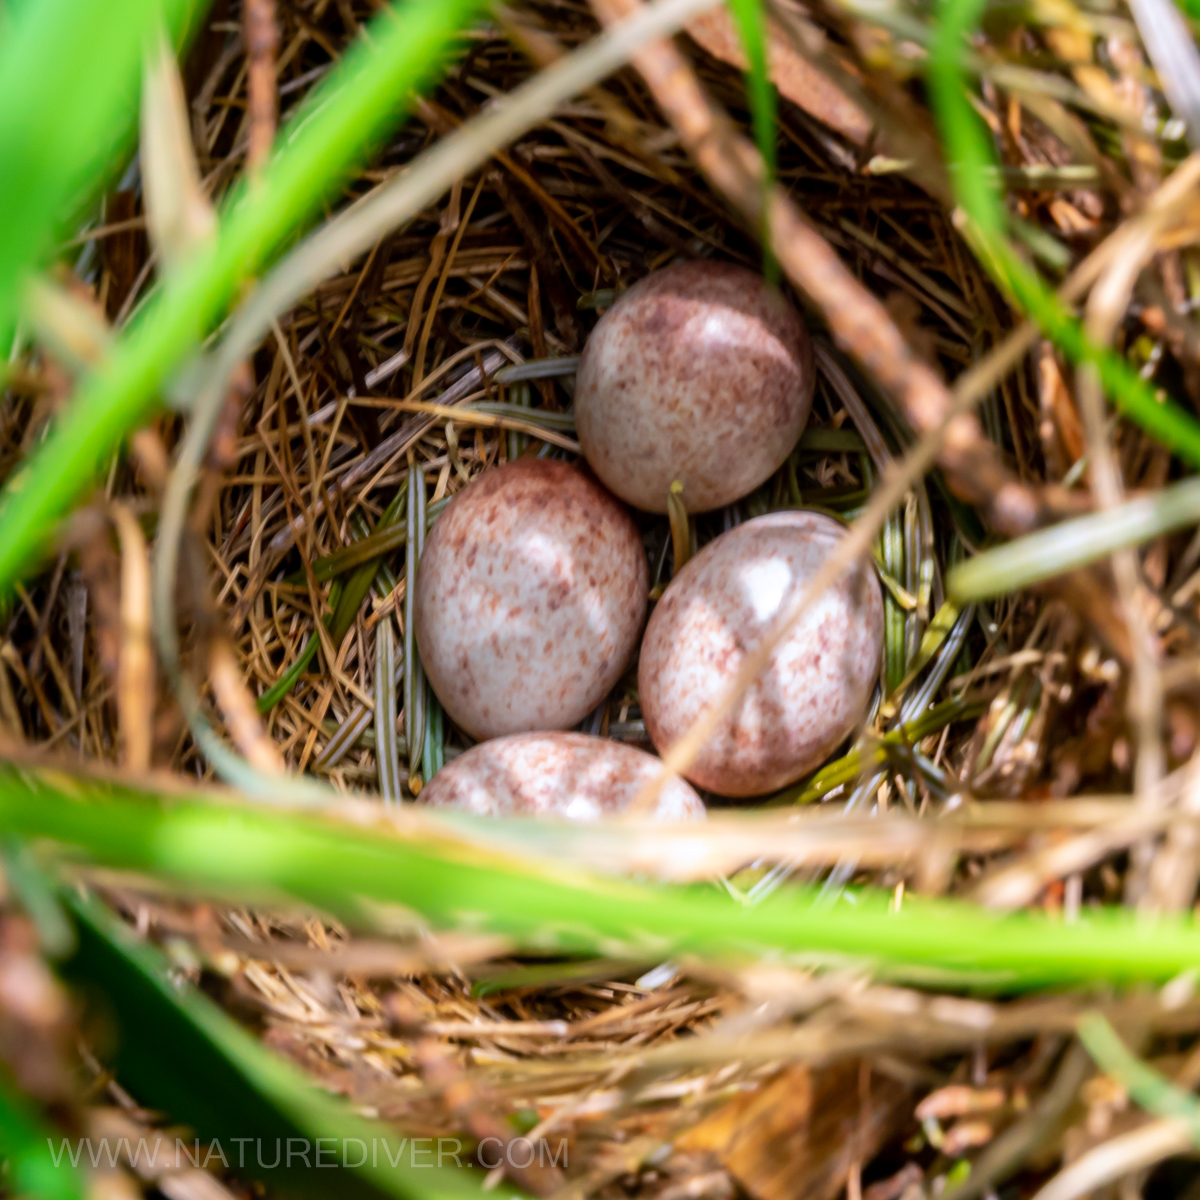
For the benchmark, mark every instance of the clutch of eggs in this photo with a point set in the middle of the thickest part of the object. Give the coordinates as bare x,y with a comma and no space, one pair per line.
818,681
532,586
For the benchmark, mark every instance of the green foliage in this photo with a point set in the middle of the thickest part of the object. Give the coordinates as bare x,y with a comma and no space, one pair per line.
25,1142
341,123
70,71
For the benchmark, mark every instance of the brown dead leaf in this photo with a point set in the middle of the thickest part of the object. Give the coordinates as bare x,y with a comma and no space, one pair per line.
958,1100
1062,433
797,1137
794,76
967,1135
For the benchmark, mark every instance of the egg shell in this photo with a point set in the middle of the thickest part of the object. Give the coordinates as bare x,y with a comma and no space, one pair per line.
570,776
715,613
531,592
701,372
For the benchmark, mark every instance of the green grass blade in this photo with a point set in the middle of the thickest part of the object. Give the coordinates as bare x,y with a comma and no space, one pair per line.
971,160
366,550
968,144
345,599
181,1053
1158,416
363,578
433,750
373,547
931,641
256,851
764,104
27,1151
893,615
1075,543
861,759
288,680
36,896
70,74
364,96
414,676
1152,1090
387,756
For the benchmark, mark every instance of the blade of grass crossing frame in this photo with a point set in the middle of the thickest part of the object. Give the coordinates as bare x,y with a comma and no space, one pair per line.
1075,543
246,850
764,104
971,158
414,676
968,143
362,98
387,760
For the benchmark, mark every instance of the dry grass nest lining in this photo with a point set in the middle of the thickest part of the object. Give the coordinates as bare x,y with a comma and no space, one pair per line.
514,265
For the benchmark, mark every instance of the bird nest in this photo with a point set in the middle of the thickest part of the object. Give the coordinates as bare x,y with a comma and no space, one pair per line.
448,350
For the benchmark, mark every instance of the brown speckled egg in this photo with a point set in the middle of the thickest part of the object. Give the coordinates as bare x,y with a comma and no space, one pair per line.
530,594
818,683
566,775
701,372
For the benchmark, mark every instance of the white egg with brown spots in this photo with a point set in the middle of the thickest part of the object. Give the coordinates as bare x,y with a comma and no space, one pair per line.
818,681
701,373
530,594
569,776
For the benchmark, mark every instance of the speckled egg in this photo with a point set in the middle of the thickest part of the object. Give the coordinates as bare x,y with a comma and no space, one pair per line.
701,372
566,775
530,595
818,683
